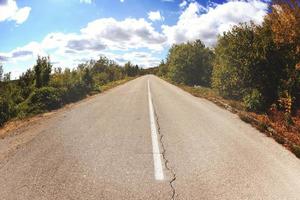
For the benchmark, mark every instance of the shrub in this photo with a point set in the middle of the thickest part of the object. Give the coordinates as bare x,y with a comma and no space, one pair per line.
74,92
44,99
189,63
246,58
254,101
5,111
22,109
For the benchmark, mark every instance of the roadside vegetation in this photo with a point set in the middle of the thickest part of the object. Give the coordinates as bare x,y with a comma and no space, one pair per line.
43,88
253,70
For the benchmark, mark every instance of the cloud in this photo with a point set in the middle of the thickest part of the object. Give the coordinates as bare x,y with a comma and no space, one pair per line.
183,4
98,35
21,53
3,58
155,16
85,44
107,36
126,34
122,1
205,23
9,11
3,2
86,1
143,59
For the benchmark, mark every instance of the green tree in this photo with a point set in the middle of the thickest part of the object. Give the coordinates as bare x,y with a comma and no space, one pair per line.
162,69
247,62
190,63
26,83
131,70
87,78
42,71
7,77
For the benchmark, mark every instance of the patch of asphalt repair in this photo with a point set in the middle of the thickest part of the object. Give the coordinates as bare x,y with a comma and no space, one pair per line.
166,161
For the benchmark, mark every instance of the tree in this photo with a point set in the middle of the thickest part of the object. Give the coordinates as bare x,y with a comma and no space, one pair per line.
190,63
87,78
42,71
285,20
247,65
7,77
26,83
162,69
130,69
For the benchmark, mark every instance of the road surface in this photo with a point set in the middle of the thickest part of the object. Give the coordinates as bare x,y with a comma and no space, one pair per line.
147,139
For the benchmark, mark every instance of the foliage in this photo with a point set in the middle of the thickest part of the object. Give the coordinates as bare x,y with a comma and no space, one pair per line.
42,71
131,70
26,83
189,63
254,101
38,90
162,69
44,99
5,110
285,22
247,60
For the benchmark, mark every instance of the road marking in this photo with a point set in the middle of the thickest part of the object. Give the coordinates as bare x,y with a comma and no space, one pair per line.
158,171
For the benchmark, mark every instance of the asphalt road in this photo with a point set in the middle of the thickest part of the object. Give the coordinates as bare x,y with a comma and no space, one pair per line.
147,142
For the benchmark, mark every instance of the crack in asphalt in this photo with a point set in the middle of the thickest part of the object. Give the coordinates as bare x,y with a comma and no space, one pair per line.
166,161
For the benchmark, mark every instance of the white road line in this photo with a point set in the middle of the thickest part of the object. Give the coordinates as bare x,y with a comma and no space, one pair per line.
158,171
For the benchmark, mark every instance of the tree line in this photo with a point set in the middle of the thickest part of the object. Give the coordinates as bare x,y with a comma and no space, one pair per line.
256,64
44,88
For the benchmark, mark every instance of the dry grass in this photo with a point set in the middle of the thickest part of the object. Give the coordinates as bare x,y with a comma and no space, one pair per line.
273,123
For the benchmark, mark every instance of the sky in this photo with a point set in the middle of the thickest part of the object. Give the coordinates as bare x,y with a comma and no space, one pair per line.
140,31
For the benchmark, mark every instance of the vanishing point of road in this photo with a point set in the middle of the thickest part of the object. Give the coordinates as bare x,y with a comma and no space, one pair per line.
146,139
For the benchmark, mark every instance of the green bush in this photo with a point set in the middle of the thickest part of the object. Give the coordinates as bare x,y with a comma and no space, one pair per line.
254,101
5,111
22,109
189,63
246,58
74,93
44,99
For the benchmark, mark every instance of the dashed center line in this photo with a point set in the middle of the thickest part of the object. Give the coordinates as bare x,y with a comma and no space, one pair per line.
158,171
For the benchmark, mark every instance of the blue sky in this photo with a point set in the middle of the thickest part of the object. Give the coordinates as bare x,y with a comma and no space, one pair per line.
142,31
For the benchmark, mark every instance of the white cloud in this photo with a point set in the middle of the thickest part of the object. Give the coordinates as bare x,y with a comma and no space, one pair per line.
86,1
121,1
102,36
183,4
9,11
205,23
126,34
155,16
